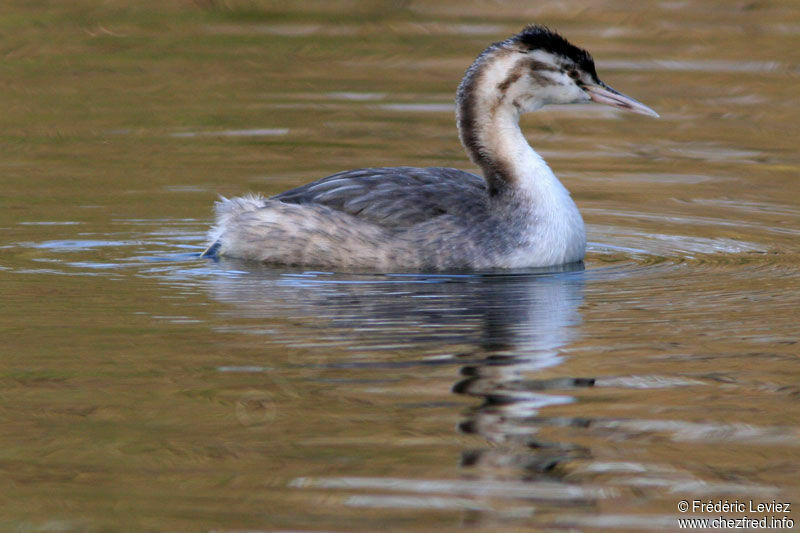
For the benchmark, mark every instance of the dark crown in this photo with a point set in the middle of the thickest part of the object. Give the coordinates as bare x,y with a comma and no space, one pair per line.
537,37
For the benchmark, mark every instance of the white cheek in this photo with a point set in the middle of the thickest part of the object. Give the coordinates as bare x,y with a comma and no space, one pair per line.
558,94
579,95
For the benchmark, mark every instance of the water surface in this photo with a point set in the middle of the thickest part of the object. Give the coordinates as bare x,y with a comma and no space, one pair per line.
145,388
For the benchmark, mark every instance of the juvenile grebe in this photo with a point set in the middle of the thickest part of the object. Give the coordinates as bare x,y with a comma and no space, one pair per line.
405,218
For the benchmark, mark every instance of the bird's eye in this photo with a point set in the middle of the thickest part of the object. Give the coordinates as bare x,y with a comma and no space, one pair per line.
574,74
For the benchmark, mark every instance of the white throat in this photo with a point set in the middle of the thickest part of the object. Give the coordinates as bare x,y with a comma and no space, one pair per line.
489,113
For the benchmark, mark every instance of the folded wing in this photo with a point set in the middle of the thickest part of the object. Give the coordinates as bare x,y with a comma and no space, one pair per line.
396,197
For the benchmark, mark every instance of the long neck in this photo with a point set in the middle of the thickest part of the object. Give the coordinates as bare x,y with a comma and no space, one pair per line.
488,125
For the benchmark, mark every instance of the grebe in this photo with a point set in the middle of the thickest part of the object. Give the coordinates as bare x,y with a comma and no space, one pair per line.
404,218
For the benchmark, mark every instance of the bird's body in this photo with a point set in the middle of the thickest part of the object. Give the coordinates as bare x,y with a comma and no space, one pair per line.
405,218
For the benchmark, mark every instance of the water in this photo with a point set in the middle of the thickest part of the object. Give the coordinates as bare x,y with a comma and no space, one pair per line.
145,388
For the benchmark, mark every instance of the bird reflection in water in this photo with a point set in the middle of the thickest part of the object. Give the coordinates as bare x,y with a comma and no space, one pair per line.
527,322
517,324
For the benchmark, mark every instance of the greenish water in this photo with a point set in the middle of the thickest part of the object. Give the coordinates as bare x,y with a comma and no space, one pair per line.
144,388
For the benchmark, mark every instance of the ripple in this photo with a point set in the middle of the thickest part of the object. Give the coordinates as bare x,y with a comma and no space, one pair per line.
76,245
715,154
546,491
612,522
684,431
93,265
356,96
708,65
418,107
50,223
683,179
750,206
680,243
283,30
256,132
417,502
243,369
646,382
405,28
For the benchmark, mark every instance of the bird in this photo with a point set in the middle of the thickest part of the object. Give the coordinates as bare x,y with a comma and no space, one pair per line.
516,215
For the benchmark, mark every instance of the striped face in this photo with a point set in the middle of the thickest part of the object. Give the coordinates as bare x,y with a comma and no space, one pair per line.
538,67
530,79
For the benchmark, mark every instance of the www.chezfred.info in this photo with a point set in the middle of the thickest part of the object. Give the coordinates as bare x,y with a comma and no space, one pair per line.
735,514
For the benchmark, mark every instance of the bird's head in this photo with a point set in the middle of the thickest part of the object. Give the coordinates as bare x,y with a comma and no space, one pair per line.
538,67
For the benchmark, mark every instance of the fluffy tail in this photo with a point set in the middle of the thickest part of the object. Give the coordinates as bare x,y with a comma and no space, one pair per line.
225,210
